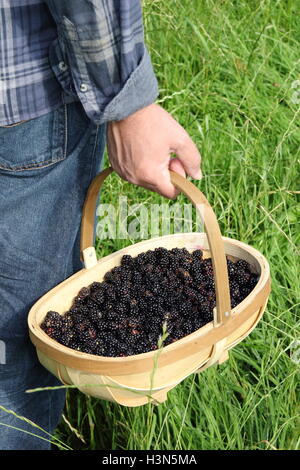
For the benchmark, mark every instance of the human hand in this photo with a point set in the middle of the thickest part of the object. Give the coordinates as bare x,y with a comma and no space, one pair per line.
140,147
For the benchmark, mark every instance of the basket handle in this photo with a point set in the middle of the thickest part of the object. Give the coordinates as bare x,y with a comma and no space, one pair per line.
212,229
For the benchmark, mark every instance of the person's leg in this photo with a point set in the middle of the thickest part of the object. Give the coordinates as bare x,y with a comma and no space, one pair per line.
46,166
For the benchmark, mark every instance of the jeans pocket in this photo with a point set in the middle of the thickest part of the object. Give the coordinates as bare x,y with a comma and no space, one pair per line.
15,124
35,143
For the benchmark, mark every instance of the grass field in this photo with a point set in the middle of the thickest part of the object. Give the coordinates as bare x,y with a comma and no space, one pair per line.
227,72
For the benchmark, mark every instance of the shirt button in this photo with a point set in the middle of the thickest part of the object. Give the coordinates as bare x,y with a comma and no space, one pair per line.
62,66
83,87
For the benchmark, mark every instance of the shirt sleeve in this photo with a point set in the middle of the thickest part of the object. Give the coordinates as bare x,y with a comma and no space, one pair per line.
100,56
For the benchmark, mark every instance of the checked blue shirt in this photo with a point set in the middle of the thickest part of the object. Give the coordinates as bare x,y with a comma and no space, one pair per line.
59,51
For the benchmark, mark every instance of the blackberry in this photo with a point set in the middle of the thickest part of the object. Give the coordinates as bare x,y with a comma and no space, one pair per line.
183,274
197,273
120,308
242,265
53,333
234,302
242,278
231,268
197,255
185,308
111,315
75,344
123,292
141,259
198,323
161,252
126,275
207,267
110,294
127,260
234,289
174,262
253,281
211,295
124,314
98,297
188,327
83,294
210,283
67,337
190,293
52,320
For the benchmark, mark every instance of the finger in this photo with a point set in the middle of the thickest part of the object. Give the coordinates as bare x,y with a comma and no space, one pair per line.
176,165
190,157
160,183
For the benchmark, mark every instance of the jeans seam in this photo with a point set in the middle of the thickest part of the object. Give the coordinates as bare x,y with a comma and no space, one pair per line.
15,124
66,131
31,166
94,148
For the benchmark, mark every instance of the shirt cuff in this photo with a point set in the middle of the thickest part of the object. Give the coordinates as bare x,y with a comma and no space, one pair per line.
140,90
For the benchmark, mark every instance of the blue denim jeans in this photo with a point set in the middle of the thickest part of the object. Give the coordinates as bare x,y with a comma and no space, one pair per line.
46,166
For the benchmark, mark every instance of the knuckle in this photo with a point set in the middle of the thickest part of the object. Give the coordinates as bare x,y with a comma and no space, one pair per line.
183,140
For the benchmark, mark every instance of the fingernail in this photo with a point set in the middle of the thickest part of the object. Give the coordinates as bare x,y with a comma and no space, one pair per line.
198,175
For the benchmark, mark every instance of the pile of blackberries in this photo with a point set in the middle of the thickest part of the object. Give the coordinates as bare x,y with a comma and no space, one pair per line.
125,313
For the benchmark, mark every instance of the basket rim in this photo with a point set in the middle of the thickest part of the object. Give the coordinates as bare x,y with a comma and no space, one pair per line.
40,338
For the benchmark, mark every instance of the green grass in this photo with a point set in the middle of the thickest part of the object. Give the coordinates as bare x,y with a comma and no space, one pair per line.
225,71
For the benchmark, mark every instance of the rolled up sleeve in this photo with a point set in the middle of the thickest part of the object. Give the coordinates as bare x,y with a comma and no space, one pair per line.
100,57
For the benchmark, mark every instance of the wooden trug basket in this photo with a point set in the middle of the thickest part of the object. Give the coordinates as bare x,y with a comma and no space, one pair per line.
134,380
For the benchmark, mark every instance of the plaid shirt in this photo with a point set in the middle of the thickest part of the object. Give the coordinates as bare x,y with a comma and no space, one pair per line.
58,51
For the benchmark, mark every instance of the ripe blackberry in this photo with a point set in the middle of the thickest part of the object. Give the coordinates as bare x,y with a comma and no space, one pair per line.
206,310
141,259
231,268
183,274
198,323
52,320
188,327
161,252
242,265
98,296
210,283
126,275
75,344
52,332
94,315
142,347
174,262
94,286
110,294
207,267
127,260
83,294
197,255
234,289
91,347
242,278
197,273
253,281
190,293
67,337
109,276
124,314
234,302
185,308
